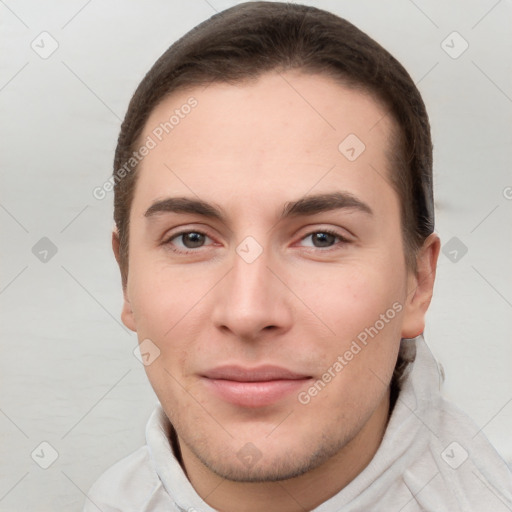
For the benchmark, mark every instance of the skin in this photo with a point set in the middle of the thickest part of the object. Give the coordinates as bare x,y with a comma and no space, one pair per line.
250,149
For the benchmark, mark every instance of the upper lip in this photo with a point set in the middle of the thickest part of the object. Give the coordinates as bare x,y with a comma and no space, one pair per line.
258,374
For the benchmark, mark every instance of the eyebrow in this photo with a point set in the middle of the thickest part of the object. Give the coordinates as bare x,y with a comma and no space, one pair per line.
308,205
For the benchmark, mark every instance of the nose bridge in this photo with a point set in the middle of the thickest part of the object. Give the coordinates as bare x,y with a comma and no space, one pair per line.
250,299
253,276
250,281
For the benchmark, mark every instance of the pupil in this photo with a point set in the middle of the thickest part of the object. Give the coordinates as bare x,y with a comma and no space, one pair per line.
192,240
323,239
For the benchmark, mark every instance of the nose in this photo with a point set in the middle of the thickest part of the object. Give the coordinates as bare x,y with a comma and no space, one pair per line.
252,301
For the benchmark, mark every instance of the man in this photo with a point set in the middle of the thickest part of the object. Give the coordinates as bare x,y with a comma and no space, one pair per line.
275,236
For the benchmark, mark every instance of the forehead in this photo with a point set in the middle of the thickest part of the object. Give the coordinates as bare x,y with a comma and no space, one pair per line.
282,133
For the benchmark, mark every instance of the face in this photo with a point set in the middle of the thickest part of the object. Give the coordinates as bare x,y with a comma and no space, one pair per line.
266,266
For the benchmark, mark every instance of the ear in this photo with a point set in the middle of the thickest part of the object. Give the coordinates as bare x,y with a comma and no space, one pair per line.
420,286
127,316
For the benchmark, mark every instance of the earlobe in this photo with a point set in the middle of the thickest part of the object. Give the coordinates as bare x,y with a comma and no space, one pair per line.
127,316
420,288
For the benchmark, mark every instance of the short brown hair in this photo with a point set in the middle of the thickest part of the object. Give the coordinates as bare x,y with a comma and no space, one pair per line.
243,42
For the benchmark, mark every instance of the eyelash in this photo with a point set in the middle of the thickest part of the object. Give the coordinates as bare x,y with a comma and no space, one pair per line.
341,240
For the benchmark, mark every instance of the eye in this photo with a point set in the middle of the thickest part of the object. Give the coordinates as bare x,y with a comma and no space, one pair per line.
323,239
187,240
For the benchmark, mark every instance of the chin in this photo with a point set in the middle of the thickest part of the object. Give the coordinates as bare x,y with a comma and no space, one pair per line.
267,465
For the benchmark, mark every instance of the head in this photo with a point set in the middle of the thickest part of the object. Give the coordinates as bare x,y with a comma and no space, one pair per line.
281,215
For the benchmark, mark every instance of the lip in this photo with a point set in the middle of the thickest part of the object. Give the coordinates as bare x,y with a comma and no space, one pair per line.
253,387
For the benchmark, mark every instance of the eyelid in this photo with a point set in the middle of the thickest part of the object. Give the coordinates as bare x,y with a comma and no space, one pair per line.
185,228
186,232
341,233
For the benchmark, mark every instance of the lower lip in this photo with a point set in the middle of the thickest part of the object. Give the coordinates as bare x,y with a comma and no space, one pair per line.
254,394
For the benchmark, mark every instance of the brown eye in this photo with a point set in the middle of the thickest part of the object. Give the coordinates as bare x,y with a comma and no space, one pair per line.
322,239
188,240
193,239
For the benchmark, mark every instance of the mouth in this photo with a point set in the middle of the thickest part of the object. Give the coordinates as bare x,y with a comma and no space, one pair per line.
253,387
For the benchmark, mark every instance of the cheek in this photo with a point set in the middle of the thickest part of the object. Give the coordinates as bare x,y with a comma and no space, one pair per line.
350,298
165,307
171,307
362,305
164,298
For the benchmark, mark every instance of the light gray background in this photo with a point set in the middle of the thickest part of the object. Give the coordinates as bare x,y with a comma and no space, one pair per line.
68,374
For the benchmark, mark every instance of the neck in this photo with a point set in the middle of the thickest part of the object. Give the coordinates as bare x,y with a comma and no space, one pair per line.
304,492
